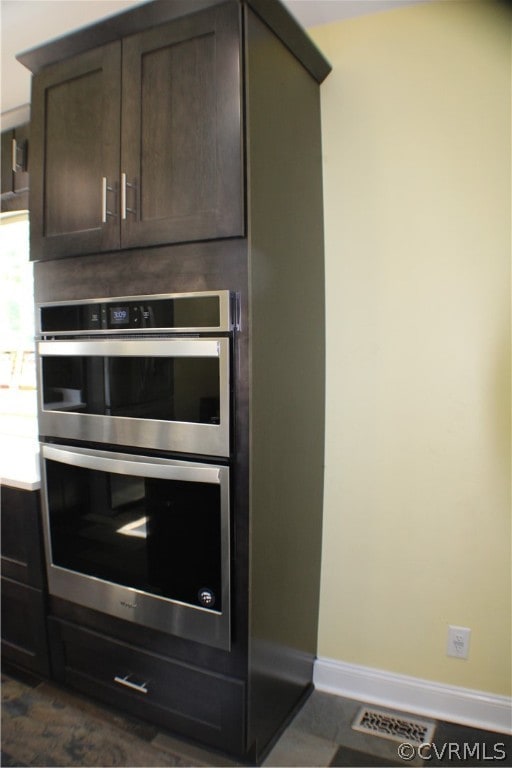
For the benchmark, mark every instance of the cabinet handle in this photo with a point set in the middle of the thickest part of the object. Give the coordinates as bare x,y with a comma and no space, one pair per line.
124,209
128,684
123,196
104,189
18,155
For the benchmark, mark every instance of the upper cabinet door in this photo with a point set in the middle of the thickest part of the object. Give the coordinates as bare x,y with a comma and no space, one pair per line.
7,164
75,155
15,152
20,153
181,138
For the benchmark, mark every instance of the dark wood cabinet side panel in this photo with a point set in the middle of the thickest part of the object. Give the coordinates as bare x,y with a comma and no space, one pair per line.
286,274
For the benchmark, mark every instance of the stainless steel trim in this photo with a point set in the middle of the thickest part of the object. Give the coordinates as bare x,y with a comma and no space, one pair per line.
125,464
225,323
186,437
131,348
128,683
210,627
14,156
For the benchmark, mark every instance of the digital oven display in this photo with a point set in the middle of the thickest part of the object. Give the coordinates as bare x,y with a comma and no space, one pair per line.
119,316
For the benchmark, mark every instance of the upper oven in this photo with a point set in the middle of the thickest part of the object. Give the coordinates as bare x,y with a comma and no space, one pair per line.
148,372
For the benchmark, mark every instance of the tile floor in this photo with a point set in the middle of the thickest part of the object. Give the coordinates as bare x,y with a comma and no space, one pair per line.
83,733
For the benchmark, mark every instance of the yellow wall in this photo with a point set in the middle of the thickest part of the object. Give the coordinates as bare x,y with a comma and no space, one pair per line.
417,133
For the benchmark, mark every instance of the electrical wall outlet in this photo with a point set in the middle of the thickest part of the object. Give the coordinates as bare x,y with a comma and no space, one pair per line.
458,642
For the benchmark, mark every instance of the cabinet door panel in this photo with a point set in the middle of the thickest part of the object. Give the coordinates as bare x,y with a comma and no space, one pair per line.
181,131
177,143
14,169
76,112
22,549
73,168
24,640
21,135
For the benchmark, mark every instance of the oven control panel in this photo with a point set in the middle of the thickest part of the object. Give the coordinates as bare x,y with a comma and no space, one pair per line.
198,312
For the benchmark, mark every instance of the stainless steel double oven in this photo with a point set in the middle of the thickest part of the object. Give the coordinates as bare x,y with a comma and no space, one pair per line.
135,418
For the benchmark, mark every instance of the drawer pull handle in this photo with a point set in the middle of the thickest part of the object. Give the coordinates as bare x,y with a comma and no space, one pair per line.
128,683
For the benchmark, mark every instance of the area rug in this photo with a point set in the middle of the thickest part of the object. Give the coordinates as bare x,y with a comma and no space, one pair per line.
42,726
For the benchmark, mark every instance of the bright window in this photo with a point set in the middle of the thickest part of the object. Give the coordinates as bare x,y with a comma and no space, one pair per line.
18,404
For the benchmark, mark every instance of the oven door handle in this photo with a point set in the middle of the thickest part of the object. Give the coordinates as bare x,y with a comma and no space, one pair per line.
140,466
135,348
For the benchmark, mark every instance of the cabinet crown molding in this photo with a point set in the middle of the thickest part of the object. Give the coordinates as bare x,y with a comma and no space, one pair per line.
272,12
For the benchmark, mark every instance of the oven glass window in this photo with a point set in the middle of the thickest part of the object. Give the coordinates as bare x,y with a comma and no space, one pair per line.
185,389
159,536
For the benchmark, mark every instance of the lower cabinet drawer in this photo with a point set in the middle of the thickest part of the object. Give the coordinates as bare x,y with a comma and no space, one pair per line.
195,703
24,639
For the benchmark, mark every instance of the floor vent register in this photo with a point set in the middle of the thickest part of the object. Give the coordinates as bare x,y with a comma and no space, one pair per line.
395,727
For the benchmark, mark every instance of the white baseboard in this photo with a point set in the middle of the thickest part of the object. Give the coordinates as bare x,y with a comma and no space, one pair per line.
410,694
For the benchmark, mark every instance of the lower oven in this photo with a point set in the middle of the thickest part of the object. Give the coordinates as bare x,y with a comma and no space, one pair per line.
142,538
135,415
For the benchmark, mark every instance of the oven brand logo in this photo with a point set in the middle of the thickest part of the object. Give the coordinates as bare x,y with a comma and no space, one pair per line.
125,604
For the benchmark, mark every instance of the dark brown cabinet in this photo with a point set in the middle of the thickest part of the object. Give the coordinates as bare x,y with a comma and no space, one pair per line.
24,641
14,185
197,703
204,144
76,108
181,131
139,141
